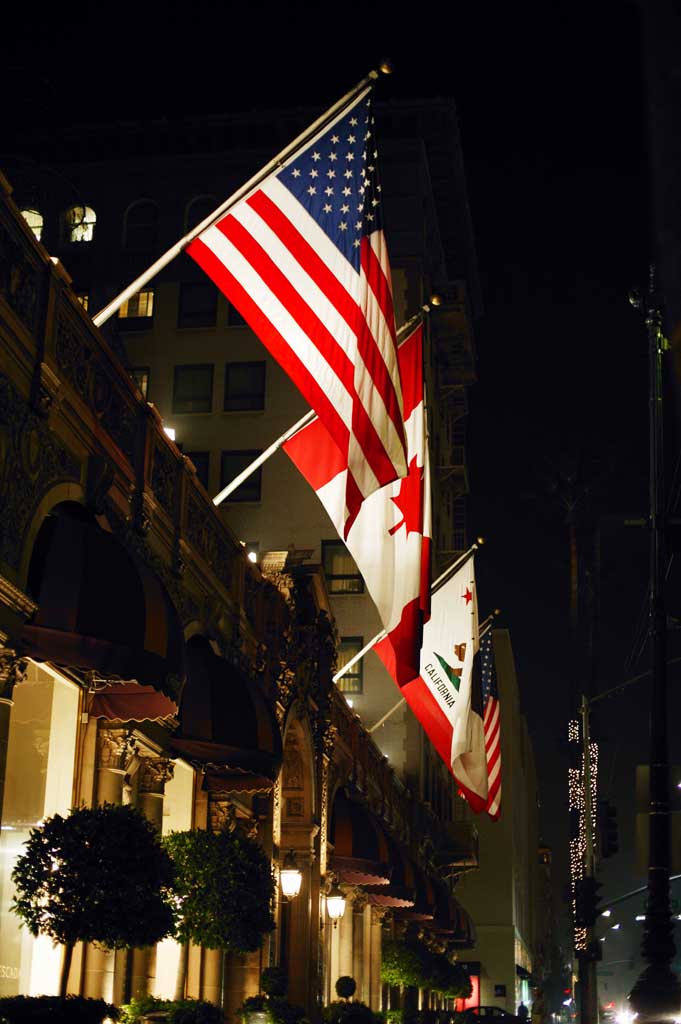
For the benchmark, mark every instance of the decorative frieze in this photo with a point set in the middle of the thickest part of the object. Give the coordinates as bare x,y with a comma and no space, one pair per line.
12,671
115,749
153,773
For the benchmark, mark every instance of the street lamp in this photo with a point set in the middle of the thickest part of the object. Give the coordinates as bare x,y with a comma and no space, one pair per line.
335,904
290,877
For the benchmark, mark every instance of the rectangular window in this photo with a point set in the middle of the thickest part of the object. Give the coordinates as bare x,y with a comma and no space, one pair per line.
201,461
352,681
231,464
342,574
82,297
198,305
193,388
138,307
140,375
244,386
234,317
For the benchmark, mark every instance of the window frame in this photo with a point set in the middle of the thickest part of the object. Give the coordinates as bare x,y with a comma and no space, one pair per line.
328,545
260,363
193,366
185,286
357,672
133,370
256,476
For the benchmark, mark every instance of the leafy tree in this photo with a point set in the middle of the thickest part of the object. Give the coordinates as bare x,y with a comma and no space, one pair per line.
224,889
98,875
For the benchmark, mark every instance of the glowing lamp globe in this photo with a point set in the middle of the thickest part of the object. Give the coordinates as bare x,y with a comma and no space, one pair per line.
290,877
335,904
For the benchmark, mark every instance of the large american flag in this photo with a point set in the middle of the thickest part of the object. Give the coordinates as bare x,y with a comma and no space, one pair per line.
492,725
303,258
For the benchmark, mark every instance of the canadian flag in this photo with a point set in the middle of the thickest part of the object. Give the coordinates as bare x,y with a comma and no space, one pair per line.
390,537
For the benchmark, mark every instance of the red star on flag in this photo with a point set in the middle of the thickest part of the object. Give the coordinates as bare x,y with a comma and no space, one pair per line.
468,597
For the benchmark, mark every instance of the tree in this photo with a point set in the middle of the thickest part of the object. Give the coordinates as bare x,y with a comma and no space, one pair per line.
224,889
99,875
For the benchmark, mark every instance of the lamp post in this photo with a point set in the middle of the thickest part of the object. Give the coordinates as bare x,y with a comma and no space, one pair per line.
290,880
335,903
657,993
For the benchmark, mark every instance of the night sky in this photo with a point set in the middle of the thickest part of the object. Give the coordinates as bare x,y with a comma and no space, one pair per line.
552,115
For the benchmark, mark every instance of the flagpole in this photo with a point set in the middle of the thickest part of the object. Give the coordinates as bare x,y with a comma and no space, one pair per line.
288,434
264,456
175,250
439,582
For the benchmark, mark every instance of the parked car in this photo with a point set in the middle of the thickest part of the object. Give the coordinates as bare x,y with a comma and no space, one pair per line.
491,1015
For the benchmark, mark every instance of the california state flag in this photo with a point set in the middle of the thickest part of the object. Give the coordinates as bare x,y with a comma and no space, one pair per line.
389,538
446,696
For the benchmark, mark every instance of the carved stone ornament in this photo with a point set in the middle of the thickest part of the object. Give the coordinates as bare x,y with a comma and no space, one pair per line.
154,772
18,279
32,460
12,671
49,392
221,813
115,749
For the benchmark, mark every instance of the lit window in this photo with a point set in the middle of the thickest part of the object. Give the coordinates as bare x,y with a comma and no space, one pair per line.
201,462
141,225
35,221
244,386
193,388
342,574
352,681
80,224
84,299
140,375
198,305
139,306
252,550
233,463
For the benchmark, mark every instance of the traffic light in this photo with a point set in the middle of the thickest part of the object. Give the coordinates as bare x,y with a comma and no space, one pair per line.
586,898
607,828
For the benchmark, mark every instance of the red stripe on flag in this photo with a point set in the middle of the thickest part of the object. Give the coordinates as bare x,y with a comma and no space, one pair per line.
378,282
291,300
367,340
436,724
271,338
347,307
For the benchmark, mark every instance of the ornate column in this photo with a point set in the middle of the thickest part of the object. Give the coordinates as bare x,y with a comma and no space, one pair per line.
115,750
152,775
376,918
360,969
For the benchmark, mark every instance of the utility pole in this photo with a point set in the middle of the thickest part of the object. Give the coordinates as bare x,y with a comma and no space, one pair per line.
657,994
588,979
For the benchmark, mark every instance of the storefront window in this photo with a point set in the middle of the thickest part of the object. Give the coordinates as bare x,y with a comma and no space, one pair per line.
178,805
38,784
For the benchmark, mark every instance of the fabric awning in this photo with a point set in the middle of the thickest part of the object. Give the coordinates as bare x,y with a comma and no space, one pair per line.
130,702
453,921
401,893
424,895
100,608
227,724
360,849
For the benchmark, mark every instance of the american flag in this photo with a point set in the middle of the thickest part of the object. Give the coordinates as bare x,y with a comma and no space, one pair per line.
303,258
492,725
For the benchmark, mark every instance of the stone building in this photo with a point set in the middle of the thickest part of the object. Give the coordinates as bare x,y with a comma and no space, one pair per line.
146,659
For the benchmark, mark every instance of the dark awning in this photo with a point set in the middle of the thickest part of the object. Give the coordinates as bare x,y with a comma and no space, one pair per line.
400,894
227,724
99,607
360,850
452,921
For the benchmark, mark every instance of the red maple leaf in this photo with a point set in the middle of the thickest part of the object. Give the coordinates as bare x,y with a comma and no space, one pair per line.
409,500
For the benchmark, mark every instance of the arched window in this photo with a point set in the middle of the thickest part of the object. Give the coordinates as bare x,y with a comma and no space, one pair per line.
198,209
80,224
34,219
141,225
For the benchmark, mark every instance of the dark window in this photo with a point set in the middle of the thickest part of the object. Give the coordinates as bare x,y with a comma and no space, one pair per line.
201,461
141,225
352,681
198,209
193,390
198,305
232,463
244,386
342,574
234,317
140,375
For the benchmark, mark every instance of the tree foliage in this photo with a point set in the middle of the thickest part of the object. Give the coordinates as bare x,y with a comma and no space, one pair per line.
224,889
409,962
98,875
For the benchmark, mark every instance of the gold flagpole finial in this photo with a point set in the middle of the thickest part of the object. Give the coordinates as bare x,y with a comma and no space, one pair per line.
386,66
435,299
480,541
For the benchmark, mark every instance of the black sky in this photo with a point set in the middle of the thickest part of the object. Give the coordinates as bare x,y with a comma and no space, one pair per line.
552,114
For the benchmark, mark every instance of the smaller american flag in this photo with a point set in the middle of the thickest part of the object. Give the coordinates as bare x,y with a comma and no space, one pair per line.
492,725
